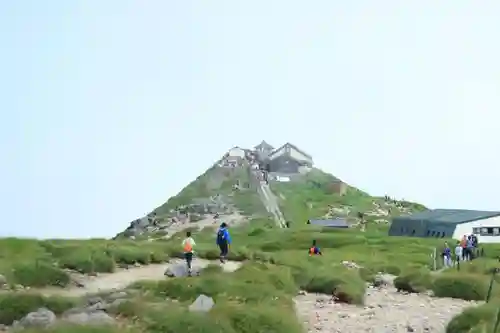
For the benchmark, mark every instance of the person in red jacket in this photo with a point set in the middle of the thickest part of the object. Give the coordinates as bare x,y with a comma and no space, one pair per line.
314,250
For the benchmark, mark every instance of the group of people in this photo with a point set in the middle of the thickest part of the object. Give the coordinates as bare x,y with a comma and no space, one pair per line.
465,250
223,241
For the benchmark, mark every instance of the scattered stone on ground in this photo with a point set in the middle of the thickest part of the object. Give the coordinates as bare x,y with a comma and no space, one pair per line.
385,310
93,313
202,304
178,268
350,264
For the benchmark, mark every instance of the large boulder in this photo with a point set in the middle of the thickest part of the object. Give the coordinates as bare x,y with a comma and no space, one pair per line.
42,318
180,270
202,304
96,318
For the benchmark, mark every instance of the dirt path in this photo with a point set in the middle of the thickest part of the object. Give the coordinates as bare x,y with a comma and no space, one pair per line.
123,278
385,310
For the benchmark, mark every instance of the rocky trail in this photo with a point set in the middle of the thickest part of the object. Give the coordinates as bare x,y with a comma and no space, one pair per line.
230,219
125,277
385,311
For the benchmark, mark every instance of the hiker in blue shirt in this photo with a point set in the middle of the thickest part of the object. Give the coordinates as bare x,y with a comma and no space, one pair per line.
223,241
447,255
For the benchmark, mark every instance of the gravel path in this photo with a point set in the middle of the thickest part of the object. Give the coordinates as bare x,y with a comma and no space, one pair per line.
385,311
123,278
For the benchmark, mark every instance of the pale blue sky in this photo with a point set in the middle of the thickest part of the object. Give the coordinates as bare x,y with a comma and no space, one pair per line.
110,107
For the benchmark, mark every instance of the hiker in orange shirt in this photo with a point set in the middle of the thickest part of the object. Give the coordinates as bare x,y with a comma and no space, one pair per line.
187,245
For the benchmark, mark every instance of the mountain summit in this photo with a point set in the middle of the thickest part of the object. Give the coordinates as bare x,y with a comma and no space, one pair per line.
266,182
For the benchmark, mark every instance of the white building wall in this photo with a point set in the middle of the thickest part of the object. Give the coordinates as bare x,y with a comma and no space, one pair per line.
299,156
236,152
466,229
277,153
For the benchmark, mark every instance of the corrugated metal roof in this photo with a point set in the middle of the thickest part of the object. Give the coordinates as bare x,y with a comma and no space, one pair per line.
337,223
454,216
264,145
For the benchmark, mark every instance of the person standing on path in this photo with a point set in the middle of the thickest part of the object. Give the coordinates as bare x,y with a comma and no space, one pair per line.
447,255
470,248
463,244
223,241
458,253
187,245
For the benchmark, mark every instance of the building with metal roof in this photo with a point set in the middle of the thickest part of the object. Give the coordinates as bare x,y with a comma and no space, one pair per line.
449,223
329,223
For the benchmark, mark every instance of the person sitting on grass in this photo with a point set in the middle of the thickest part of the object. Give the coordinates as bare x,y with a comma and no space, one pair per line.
314,250
187,245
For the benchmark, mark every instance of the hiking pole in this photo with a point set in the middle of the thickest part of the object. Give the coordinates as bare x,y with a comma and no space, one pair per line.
488,296
497,322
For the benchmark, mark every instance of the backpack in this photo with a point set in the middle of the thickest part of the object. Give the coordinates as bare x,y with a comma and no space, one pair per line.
188,247
221,239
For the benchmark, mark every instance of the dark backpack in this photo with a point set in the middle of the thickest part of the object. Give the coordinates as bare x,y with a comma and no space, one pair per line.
221,239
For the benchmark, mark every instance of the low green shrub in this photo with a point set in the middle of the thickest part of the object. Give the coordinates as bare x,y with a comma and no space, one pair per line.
15,305
459,285
474,319
278,318
255,298
39,274
86,262
414,281
83,329
131,255
158,257
175,319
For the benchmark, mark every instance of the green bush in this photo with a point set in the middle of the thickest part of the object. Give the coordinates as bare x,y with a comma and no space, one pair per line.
465,286
414,281
175,319
82,329
86,262
39,274
158,257
15,305
131,255
255,298
474,319
258,318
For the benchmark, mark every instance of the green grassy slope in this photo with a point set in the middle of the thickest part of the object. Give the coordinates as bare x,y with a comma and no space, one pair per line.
307,196
312,197
277,266
218,181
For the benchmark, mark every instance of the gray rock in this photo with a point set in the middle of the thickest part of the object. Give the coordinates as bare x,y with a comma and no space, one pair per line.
202,304
180,270
97,318
94,300
96,307
117,295
117,302
3,280
41,318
